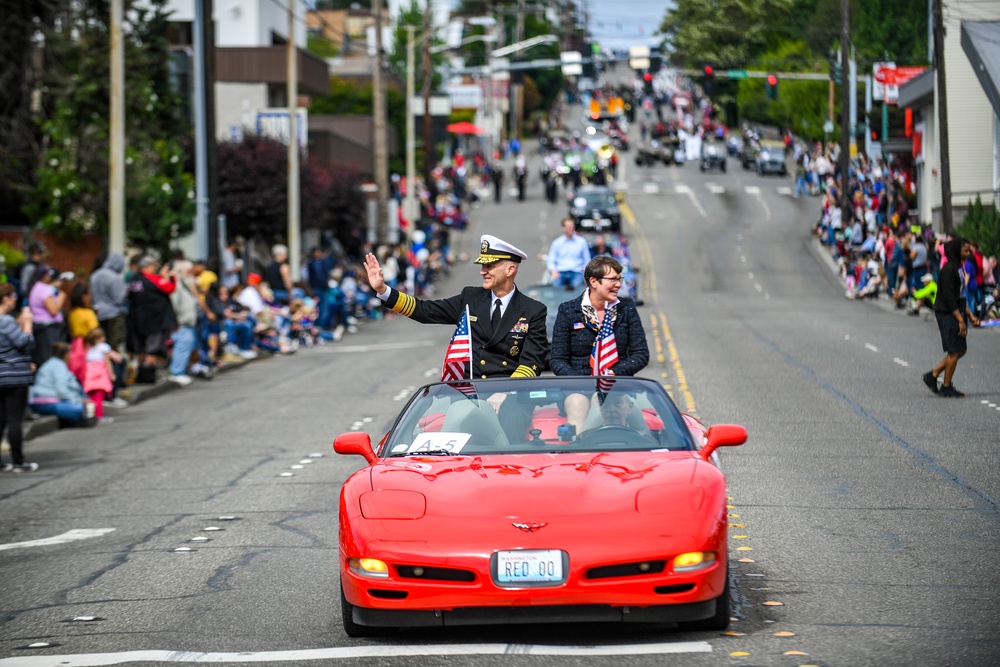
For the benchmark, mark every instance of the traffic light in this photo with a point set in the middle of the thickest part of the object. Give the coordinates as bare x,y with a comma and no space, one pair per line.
876,133
772,87
836,67
709,81
647,83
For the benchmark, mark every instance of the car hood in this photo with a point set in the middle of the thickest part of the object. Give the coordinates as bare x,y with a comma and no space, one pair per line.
671,501
517,485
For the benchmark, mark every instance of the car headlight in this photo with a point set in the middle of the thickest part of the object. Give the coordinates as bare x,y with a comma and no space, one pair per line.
369,567
693,560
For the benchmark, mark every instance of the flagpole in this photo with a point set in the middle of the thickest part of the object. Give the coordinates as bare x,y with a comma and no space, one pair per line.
467,319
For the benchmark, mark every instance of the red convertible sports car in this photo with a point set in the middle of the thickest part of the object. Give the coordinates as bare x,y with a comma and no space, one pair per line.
483,505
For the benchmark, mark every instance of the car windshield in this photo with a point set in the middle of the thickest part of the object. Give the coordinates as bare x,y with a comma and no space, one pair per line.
516,416
594,199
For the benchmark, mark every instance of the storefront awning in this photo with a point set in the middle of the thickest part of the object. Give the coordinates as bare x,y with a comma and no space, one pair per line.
981,43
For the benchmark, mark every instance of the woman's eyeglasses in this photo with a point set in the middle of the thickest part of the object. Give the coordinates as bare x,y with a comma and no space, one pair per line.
613,279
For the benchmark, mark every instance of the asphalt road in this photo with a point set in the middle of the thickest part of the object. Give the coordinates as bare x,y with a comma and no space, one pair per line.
868,507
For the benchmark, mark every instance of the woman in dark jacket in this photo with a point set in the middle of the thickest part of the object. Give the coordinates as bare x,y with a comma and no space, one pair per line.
580,320
16,374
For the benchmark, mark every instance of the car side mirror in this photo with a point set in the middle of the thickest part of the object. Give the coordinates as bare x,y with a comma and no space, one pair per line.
722,435
355,443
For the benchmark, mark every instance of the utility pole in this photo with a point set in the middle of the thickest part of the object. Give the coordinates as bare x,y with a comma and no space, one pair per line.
410,211
942,124
430,154
211,152
294,209
381,158
201,223
116,159
845,115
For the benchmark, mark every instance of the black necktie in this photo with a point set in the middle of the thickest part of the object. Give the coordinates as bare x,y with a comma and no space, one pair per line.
495,319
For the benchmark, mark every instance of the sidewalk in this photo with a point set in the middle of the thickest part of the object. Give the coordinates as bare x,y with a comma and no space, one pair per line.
135,393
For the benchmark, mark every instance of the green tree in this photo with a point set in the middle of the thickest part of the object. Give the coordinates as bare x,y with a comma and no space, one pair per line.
801,105
414,16
70,195
982,225
727,34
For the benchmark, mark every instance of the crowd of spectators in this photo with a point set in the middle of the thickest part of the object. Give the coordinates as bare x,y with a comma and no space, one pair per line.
145,320
882,249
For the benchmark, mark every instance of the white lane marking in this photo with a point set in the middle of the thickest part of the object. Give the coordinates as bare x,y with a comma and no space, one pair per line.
715,188
346,653
685,190
351,349
751,275
757,287
784,190
755,191
650,188
68,536
901,362
871,347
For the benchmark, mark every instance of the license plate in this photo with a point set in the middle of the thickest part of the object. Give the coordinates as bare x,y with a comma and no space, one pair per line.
530,567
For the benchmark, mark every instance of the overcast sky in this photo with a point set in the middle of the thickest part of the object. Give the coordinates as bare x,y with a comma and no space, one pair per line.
619,24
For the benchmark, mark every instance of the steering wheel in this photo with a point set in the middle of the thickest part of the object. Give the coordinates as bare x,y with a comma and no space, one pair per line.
609,433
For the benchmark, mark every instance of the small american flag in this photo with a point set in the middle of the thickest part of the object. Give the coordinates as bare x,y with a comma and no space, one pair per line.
604,354
458,356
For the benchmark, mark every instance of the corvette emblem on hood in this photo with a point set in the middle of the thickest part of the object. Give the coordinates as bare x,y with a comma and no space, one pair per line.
529,527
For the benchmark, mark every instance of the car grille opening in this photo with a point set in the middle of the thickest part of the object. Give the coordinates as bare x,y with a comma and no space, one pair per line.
435,573
387,595
637,569
676,588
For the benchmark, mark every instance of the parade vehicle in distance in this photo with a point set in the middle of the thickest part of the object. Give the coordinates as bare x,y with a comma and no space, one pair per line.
616,245
656,151
770,159
467,514
713,155
595,208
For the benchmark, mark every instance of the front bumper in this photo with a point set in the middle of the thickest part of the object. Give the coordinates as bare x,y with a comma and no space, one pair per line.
394,618
656,597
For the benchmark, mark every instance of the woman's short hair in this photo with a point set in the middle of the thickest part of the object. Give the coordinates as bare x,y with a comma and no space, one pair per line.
60,349
6,289
278,250
600,266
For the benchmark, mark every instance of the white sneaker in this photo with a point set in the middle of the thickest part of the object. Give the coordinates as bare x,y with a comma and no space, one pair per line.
248,354
116,403
351,319
338,333
182,380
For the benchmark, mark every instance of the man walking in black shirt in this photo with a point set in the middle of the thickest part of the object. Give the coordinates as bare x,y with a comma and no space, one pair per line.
951,311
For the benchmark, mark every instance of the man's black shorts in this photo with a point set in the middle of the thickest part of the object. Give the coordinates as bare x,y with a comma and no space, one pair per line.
950,340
